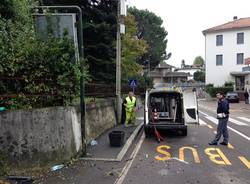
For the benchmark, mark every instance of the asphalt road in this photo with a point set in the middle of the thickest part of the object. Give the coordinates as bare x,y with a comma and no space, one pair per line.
178,159
190,160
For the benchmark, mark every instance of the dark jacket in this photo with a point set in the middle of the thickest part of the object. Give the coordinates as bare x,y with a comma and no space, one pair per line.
246,95
223,107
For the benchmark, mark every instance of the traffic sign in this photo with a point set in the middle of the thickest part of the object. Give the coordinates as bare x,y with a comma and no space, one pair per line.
133,83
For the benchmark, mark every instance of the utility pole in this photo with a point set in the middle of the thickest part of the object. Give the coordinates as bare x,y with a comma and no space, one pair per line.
118,63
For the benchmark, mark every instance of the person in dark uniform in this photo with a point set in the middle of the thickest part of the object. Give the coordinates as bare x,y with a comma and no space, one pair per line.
222,116
246,95
123,119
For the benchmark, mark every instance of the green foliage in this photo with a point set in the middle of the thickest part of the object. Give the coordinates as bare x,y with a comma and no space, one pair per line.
16,10
210,89
151,30
229,84
4,169
199,76
41,72
100,27
199,61
132,48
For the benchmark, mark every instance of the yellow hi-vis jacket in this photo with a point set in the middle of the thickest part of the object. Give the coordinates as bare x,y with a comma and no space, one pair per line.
130,104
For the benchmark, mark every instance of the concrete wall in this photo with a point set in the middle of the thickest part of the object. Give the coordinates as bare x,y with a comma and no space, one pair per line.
218,75
99,118
50,135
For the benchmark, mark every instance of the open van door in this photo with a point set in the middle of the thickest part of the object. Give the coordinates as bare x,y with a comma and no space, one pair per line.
190,107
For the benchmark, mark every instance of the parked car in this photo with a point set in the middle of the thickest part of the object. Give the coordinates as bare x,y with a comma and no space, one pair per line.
169,109
232,97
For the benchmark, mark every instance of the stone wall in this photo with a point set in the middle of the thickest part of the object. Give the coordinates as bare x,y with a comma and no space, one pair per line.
50,135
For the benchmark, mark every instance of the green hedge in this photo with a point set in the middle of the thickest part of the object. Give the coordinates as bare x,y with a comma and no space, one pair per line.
36,73
214,90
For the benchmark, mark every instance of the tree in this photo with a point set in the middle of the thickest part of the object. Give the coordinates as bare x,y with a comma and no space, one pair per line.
47,76
16,10
132,48
100,26
151,30
199,61
199,76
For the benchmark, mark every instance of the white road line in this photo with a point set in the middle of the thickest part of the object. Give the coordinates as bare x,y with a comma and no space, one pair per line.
215,121
202,123
203,113
230,119
237,122
128,165
245,119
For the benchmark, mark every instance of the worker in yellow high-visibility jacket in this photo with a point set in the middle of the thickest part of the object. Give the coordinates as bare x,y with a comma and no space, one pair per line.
130,105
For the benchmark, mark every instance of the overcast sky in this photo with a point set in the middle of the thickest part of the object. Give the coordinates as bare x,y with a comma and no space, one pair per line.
186,19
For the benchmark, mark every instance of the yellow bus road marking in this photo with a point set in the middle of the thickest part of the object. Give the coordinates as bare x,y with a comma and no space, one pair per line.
245,161
217,156
209,126
194,152
230,146
163,151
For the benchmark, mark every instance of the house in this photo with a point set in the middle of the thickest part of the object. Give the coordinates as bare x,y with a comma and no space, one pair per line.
226,52
164,73
191,69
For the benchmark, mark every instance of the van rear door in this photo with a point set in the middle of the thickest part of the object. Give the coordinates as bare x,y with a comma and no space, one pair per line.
190,107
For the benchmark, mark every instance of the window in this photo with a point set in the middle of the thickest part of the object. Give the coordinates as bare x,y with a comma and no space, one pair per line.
240,38
219,40
240,58
219,60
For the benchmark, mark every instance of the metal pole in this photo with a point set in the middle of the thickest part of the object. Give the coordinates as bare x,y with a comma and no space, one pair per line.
118,64
81,53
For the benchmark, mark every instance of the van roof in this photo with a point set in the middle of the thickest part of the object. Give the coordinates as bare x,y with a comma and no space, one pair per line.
166,89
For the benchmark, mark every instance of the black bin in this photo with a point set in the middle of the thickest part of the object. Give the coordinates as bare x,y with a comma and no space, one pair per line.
116,138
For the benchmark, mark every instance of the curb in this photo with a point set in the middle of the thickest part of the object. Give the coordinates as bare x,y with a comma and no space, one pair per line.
122,152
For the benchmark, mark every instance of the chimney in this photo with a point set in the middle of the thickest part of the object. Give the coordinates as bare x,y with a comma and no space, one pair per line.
235,17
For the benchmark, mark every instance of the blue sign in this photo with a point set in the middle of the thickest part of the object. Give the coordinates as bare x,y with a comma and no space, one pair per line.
132,83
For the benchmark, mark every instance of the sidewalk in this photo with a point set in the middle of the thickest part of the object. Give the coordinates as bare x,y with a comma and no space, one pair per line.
103,150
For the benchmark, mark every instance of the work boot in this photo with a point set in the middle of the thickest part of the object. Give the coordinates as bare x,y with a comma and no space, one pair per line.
223,143
213,143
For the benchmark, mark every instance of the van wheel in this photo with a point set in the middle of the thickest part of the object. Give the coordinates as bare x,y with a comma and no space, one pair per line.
184,132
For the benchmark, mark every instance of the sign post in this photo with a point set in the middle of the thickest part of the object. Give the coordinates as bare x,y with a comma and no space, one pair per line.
133,84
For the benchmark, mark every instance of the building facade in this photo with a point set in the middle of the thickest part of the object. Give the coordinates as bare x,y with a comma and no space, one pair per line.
164,74
227,47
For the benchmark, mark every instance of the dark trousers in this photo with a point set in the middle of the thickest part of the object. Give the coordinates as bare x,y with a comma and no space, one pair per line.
222,130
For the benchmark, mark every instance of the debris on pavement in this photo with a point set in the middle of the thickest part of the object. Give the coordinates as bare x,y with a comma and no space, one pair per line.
57,167
113,172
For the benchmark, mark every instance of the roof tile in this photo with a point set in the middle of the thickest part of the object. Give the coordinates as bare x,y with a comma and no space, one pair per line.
236,24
